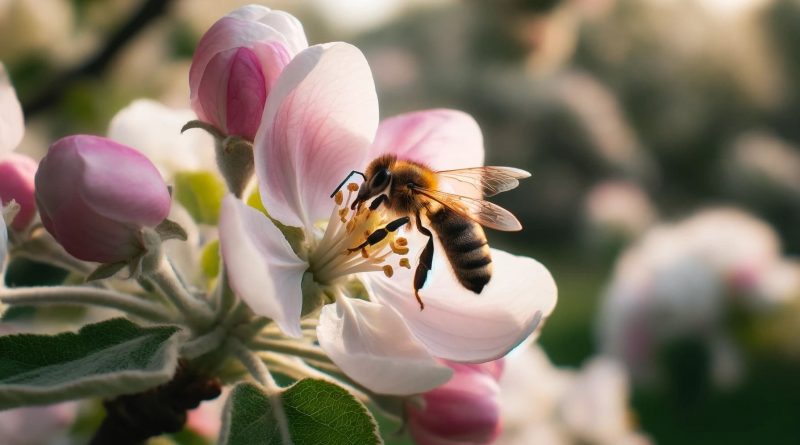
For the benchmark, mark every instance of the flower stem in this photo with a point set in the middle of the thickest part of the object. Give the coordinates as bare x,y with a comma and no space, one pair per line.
196,312
298,369
84,295
290,348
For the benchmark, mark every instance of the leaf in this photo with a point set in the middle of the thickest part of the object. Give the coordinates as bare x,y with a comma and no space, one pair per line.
201,194
315,412
105,359
168,230
106,270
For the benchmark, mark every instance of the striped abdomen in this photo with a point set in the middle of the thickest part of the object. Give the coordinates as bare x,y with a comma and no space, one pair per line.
466,247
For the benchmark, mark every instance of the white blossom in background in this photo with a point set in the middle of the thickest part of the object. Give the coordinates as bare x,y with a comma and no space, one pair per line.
680,280
38,425
155,130
545,405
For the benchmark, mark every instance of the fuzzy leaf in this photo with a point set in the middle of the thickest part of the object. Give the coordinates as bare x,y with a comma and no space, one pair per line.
315,413
105,359
200,193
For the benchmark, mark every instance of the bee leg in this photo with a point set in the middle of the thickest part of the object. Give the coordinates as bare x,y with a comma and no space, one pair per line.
378,235
425,262
378,201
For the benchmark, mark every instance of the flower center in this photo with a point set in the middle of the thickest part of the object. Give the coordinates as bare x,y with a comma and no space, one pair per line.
336,256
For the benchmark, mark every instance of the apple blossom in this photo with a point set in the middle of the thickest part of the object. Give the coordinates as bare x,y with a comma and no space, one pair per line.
17,172
236,64
12,125
463,411
95,195
318,125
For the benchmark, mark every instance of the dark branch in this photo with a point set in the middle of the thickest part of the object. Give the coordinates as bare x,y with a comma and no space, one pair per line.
97,64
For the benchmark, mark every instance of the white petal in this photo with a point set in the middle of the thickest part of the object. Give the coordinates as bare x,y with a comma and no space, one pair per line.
318,123
12,123
459,325
261,266
290,28
373,346
155,130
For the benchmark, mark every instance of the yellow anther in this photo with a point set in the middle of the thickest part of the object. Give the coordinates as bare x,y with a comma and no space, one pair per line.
353,187
350,225
388,271
364,253
402,242
339,198
398,249
405,263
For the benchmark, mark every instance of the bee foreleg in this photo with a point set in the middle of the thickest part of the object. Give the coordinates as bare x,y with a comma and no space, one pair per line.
378,235
425,262
354,172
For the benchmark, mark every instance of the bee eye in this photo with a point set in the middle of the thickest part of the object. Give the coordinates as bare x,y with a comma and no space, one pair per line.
380,180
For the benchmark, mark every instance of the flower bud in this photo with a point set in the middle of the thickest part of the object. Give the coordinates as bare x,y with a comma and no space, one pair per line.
236,64
95,195
16,183
465,410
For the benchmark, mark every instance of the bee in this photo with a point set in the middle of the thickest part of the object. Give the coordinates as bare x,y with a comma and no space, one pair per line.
452,202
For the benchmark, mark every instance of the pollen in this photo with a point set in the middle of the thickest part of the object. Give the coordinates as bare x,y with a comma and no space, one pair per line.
388,271
398,249
405,263
353,187
339,198
402,242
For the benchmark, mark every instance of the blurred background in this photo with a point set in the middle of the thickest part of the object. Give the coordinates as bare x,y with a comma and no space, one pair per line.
663,137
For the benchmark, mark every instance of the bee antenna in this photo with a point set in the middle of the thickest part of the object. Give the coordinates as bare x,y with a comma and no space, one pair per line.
354,172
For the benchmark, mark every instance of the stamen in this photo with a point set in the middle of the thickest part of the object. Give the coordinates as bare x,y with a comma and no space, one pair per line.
401,241
405,263
388,271
353,187
396,248
364,253
339,198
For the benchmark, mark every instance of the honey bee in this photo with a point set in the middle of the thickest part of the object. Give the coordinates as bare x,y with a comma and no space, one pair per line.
453,203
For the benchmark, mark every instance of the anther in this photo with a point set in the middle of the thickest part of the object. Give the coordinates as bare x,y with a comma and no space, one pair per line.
353,187
405,263
402,242
339,198
398,249
388,271
364,253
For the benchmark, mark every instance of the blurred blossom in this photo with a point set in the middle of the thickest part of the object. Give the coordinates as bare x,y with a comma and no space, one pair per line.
38,425
545,405
463,411
619,207
155,130
680,281
206,419
12,124
550,38
16,184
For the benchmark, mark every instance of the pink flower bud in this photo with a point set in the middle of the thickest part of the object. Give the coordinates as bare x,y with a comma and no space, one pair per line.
94,195
236,64
16,183
463,411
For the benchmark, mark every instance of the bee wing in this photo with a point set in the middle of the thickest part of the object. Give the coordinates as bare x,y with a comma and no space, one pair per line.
482,212
482,182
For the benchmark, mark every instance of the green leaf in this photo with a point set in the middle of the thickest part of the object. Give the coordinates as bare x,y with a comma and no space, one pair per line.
101,360
315,412
201,194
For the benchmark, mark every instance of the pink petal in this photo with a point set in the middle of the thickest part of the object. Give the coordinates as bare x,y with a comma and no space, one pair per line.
290,28
246,95
17,173
459,325
442,139
262,267
373,346
12,123
320,118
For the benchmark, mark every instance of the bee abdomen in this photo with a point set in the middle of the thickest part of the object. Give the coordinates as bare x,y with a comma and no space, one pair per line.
466,248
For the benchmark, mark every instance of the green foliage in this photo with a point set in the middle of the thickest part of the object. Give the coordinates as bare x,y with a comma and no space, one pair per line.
314,413
101,360
201,194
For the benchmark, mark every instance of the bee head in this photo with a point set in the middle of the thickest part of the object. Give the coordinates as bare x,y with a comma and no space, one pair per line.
377,181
